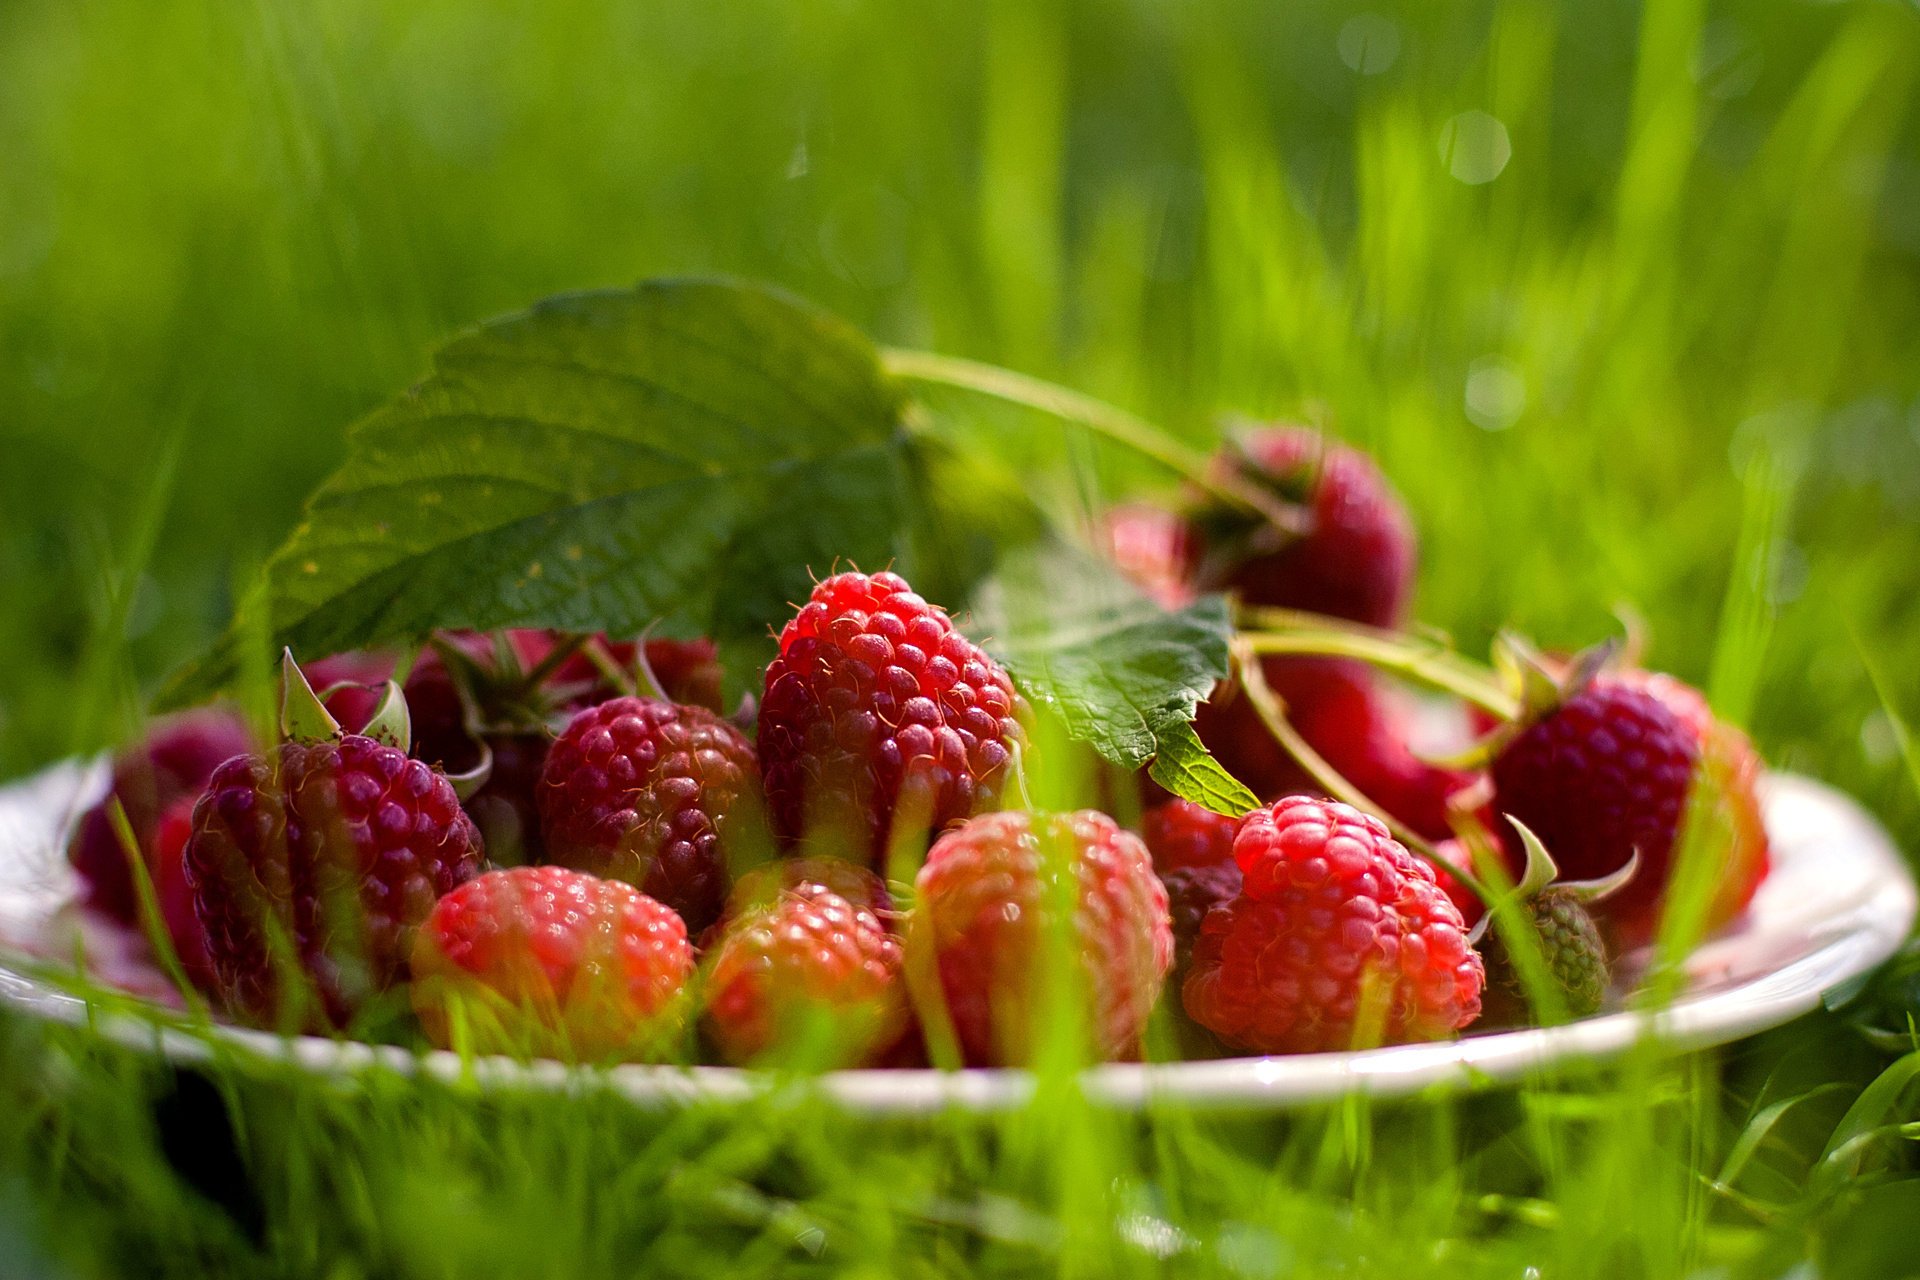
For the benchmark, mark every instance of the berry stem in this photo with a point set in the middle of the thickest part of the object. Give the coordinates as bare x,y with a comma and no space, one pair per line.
1116,424
1273,714
645,678
619,677
1275,632
549,664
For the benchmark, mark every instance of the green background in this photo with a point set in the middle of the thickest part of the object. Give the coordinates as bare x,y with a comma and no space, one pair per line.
1602,286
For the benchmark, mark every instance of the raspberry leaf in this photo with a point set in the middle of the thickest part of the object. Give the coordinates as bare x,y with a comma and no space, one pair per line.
1123,674
682,452
1184,766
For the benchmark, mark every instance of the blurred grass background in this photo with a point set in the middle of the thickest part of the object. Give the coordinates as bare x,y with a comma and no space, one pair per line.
1599,283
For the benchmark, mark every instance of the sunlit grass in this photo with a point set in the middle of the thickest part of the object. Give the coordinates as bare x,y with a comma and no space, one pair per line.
1663,353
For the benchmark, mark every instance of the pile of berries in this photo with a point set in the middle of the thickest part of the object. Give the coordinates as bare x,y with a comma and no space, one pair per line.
568,846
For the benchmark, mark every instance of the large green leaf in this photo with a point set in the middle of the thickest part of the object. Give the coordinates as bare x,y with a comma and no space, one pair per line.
1123,674
685,452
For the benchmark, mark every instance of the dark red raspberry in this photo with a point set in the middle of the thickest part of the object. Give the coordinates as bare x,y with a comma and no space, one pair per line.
809,976
173,760
318,862
880,721
1357,559
651,793
175,896
980,930
1192,892
1601,776
543,961
1735,835
1347,715
1181,834
1340,939
1157,549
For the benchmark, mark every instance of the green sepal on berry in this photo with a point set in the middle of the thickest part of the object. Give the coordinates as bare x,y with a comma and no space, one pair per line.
304,716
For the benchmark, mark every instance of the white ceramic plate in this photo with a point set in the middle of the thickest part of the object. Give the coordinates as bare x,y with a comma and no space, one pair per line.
1839,901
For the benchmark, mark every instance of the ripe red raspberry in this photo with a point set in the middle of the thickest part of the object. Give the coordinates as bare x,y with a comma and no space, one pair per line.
1357,559
1192,892
651,793
1603,775
318,861
809,976
547,962
979,933
175,896
1735,838
1340,939
880,720
173,760
1181,834
1347,715
1156,549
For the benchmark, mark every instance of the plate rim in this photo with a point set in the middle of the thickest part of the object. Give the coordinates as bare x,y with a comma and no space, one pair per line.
1879,924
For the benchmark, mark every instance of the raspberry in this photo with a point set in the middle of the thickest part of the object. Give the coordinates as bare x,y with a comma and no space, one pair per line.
1736,836
1155,548
880,720
1340,939
543,961
173,760
1571,945
1181,834
175,896
985,894
325,855
1603,775
1192,892
1346,714
1356,561
808,974
651,793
